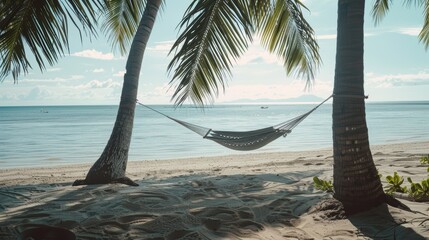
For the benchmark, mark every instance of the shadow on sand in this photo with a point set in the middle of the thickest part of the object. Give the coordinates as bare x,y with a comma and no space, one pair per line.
379,223
195,206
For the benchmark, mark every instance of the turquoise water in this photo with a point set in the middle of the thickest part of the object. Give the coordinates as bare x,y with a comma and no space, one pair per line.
54,135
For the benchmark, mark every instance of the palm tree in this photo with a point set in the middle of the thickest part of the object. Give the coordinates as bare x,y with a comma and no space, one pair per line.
111,165
204,55
203,59
356,181
282,27
43,26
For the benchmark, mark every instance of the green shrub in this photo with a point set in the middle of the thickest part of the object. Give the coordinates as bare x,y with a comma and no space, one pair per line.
419,191
425,160
394,184
323,185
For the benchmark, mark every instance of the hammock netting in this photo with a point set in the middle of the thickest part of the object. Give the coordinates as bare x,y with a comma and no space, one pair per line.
244,140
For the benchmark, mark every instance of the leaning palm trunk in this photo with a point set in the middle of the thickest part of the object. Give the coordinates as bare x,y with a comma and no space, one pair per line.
111,165
356,181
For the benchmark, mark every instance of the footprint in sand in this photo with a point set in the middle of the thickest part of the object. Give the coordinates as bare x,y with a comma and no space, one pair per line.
224,220
153,201
281,211
202,190
251,199
297,234
342,234
182,234
136,218
198,184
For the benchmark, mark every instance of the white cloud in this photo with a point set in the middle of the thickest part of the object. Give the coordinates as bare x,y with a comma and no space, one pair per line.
35,93
326,36
53,69
162,47
92,53
257,54
98,70
334,36
8,96
109,83
76,77
52,80
367,34
155,94
409,31
274,91
120,73
395,80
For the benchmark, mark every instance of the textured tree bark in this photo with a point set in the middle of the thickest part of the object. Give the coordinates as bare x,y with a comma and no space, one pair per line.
111,166
356,181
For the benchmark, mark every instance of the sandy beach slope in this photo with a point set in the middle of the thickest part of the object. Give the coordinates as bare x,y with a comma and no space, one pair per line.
249,196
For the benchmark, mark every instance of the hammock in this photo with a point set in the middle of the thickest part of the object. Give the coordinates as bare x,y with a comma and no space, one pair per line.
244,141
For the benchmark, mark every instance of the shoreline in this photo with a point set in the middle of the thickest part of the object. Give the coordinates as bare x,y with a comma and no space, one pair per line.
53,164
244,196
235,157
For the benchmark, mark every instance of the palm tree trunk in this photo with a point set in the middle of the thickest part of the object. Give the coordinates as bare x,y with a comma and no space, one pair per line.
111,165
356,181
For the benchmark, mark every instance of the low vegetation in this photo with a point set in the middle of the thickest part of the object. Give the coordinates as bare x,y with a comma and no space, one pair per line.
394,184
323,185
418,191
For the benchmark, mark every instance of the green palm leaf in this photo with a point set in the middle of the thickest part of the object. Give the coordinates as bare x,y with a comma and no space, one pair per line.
122,18
424,33
41,27
379,10
381,7
286,33
214,34
259,10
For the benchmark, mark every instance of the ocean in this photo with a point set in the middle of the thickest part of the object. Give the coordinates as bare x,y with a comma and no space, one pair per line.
57,135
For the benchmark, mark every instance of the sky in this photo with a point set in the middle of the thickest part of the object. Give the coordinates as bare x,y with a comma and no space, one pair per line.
396,65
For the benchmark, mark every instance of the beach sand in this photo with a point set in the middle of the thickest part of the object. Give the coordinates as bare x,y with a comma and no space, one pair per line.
248,196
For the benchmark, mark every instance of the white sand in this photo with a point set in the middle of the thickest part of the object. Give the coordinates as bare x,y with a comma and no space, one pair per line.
249,196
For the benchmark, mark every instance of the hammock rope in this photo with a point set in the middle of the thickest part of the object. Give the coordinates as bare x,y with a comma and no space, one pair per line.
244,140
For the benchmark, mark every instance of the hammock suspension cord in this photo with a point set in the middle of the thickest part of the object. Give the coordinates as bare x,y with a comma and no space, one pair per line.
244,140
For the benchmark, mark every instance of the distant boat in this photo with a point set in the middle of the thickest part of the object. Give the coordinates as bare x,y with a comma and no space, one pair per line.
43,110
264,107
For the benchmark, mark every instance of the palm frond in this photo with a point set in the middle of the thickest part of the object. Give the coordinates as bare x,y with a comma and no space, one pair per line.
381,7
42,26
417,3
122,19
259,10
214,34
424,33
286,33
83,13
379,10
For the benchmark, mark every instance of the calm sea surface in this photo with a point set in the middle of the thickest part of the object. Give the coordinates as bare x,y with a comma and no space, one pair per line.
54,135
